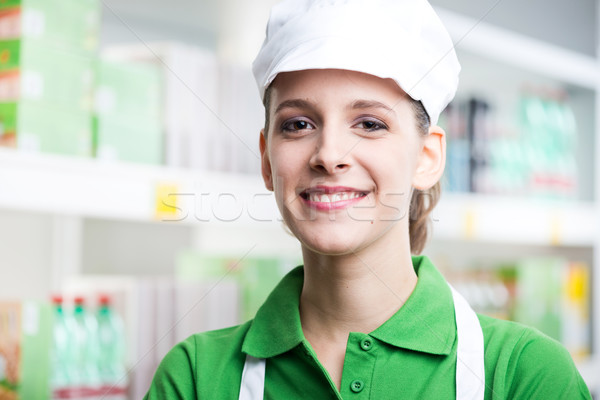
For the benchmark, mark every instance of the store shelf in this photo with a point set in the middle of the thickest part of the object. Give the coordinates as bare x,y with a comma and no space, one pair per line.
121,191
88,188
520,51
114,190
520,221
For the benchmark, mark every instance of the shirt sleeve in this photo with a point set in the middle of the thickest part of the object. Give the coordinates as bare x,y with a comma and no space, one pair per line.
544,369
175,376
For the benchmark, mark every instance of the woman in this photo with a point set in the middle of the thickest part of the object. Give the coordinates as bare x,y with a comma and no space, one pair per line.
352,92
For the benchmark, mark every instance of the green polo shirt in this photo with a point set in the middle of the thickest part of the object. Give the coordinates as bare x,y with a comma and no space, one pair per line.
410,356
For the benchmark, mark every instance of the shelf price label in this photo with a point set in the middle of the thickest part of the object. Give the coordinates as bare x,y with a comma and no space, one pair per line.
167,202
469,223
556,230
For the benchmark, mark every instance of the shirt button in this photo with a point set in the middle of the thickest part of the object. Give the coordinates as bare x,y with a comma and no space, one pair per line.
366,344
357,386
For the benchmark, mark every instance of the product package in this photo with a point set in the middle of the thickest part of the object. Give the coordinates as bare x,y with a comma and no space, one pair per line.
191,91
552,295
25,336
33,70
47,58
128,112
70,24
255,277
40,127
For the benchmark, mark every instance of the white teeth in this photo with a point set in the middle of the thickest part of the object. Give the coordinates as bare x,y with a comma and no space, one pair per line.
334,197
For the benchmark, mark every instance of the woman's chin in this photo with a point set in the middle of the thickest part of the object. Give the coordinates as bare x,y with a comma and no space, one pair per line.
334,243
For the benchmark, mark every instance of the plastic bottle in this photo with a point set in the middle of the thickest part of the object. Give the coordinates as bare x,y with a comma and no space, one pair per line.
533,120
86,352
60,374
111,339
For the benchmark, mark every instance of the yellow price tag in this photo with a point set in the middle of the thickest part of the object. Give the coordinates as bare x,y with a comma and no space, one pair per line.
555,230
469,224
167,200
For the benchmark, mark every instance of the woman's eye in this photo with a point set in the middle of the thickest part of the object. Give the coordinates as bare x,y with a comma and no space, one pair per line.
371,125
297,125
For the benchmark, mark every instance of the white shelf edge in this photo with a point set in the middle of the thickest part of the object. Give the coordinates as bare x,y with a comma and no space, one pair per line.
507,220
91,188
124,191
521,51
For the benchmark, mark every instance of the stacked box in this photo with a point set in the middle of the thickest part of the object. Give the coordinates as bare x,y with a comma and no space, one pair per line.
255,276
190,102
71,24
25,337
31,70
46,128
47,52
128,112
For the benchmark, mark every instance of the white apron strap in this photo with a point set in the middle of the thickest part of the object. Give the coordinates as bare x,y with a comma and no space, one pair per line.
253,379
470,368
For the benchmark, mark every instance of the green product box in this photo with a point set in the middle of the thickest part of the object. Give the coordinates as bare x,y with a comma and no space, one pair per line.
128,123
25,341
126,141
42,127
70,24
131,92
34,71
257,276
192,265
539,288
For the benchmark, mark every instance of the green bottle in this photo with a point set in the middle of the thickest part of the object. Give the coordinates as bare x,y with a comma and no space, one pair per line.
112,346
60,367
86,352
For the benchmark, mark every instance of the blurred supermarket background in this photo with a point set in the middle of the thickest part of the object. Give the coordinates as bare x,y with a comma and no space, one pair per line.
132,213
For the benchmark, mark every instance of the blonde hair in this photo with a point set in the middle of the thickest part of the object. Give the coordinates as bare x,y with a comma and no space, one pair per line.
422,201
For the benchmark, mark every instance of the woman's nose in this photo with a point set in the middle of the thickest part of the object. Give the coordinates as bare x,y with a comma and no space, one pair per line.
332,152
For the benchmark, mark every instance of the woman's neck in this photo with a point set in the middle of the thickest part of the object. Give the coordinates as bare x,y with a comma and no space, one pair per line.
356,292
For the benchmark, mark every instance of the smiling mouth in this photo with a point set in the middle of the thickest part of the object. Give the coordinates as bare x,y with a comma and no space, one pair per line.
331,197
321,197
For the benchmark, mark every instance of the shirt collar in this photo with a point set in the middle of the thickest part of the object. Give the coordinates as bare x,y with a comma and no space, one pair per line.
424,323
276,327
426,320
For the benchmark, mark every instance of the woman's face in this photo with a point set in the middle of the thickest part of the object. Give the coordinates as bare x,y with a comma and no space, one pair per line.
342,154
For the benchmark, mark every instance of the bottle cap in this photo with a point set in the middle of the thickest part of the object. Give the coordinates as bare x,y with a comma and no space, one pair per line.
104,299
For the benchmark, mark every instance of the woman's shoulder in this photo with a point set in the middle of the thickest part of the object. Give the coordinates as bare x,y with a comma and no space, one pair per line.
201,365
232,336
216,346
522,362
504,337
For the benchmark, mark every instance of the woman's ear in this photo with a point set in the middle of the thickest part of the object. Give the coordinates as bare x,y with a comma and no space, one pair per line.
432,159
265,163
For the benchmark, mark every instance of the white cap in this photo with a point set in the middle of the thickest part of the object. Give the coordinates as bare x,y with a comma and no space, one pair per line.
399,39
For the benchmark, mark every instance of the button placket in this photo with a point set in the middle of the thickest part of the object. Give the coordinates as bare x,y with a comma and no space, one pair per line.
359,363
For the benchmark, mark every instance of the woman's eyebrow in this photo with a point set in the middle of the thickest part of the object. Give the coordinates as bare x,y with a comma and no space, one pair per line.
359,104
293,103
